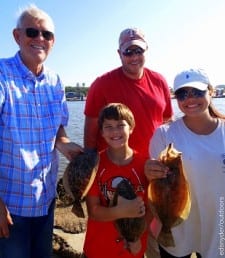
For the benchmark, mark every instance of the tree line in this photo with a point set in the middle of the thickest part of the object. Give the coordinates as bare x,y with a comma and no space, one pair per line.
81,90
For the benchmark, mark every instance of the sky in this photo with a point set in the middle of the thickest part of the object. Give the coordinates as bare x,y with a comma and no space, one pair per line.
181,34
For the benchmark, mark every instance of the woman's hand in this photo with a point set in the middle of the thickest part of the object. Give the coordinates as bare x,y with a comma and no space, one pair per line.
155,169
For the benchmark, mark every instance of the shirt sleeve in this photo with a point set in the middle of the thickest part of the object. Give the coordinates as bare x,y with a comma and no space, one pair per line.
2,97
157,143
96,98
65,111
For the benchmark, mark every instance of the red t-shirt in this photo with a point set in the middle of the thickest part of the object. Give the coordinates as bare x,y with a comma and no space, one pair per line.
148,98
102,237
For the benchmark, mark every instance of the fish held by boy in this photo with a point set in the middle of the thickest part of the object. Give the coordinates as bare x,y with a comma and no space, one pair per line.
130,229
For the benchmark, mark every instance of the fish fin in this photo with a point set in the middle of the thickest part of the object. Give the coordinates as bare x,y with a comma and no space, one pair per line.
92,178
166,238
77,209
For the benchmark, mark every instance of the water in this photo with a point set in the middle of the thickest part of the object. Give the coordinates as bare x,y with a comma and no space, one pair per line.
76,122
74,129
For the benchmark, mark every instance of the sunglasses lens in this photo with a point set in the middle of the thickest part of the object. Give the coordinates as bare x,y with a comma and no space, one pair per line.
127,52
183,94
48,35
198,93
131,52
33,33
139,51
180,95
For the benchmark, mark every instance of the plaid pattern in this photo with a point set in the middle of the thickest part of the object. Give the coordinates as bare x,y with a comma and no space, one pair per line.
31,111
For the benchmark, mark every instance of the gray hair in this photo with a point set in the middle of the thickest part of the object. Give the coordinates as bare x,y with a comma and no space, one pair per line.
33,11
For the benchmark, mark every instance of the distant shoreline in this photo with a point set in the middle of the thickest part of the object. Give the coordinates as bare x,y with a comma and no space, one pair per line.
214,97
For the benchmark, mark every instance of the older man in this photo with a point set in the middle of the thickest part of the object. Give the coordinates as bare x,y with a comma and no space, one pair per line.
33,114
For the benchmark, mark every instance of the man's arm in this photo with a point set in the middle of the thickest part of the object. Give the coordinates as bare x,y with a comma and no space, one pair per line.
90,133
65,146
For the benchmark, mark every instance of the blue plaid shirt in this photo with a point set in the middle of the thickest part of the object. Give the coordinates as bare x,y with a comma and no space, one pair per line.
31,112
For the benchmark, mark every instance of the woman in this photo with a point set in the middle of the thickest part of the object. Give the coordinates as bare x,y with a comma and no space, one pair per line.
200,136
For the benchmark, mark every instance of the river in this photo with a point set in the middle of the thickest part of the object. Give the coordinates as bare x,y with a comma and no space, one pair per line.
76,122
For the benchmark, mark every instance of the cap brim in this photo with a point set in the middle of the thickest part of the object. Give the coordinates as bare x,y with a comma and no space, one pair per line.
197,85
138,43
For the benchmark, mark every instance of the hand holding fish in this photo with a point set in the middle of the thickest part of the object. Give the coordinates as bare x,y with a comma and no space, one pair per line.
65,146
131,208
155,169
69,149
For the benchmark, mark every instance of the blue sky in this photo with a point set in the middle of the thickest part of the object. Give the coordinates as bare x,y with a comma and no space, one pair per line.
180,33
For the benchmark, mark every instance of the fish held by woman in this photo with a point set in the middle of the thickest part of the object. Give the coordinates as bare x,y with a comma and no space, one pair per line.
170,197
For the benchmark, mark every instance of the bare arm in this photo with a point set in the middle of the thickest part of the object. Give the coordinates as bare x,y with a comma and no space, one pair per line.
65,146
124,209
90,132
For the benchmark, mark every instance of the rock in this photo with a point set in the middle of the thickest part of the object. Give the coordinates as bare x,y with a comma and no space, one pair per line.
62,249
69,233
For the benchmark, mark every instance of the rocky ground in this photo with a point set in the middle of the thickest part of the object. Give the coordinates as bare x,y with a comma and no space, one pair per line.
69,233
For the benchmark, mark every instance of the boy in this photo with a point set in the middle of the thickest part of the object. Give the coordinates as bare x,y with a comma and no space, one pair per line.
117,162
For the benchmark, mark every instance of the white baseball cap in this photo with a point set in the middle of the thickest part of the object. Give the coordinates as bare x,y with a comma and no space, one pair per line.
196,78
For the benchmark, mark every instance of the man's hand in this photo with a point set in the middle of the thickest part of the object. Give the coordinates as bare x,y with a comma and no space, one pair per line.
69,149
65,146
5,220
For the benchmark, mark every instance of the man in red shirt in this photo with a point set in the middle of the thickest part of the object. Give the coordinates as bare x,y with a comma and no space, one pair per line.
144,91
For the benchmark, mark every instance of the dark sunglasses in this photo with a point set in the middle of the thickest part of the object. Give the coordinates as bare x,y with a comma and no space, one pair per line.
183,94
135,51
33,33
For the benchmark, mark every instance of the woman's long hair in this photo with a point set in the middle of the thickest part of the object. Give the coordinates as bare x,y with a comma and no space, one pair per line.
212,110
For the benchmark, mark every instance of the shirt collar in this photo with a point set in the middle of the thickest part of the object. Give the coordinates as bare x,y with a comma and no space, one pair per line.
26,73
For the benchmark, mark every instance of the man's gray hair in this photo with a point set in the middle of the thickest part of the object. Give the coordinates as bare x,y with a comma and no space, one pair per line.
33,11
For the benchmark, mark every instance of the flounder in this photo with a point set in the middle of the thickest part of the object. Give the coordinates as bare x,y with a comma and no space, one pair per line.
129,228
63,198
78,178
170,196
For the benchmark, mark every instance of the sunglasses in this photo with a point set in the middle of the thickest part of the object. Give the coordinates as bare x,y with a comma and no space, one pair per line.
136,51
33,33
183,94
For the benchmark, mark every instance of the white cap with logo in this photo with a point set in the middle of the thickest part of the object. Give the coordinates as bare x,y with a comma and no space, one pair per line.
196,78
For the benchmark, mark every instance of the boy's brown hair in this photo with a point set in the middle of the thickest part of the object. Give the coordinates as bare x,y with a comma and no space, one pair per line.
116,111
